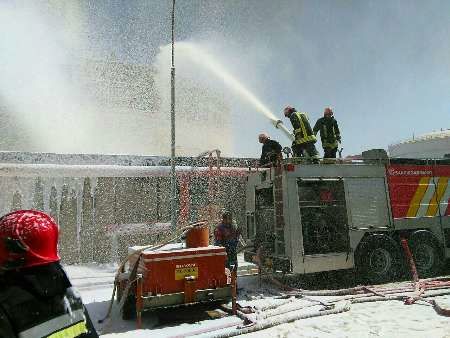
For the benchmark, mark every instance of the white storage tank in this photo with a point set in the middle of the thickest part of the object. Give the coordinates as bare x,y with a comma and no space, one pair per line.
430,145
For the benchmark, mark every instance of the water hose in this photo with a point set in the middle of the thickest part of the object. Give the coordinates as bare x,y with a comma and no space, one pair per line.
279,125
206,330
286,318
361,294
420,289
280,311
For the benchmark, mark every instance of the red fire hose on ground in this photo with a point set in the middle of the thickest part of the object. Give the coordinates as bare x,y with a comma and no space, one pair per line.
421,286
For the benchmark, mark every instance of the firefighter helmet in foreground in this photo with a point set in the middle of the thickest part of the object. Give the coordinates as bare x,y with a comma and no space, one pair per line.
28,238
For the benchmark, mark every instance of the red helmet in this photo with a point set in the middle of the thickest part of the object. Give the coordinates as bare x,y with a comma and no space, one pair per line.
288,110
27,238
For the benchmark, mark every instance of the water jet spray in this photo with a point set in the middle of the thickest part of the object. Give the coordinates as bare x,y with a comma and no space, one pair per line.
202,58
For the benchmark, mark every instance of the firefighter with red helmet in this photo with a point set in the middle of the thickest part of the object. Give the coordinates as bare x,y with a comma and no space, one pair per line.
305,139
271,151
329,133
36,296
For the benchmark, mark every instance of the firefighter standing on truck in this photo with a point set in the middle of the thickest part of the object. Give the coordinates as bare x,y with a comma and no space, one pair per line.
227,235
36,297
329,133
303,133
271,151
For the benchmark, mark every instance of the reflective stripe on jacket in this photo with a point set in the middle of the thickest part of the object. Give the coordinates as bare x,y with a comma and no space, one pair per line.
69,325
302,129
40,302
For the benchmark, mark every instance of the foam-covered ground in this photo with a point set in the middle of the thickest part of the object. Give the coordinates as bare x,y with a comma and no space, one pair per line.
377,319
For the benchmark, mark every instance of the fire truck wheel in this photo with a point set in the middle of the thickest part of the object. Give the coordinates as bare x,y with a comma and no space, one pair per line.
426,252
378,259
128,310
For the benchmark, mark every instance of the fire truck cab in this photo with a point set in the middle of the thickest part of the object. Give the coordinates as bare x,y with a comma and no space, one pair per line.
306,218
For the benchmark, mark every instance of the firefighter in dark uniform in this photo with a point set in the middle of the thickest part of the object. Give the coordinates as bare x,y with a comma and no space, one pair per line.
303,133
271,151
36,297
329,133
227,235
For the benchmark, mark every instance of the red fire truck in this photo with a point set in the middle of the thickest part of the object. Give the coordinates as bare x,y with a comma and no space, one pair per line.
305,218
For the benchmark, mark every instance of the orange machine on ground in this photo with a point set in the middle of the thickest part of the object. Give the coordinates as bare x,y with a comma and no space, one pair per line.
175,274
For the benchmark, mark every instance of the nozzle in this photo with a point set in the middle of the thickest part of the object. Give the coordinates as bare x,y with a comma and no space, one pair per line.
277,123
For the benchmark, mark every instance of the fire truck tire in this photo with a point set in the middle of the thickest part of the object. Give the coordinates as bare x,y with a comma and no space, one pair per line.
427,253
128,310
377,259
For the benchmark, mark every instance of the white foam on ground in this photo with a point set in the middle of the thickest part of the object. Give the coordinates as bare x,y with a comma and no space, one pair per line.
378,319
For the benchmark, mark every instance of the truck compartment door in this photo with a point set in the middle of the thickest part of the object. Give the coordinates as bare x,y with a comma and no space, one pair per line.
323,216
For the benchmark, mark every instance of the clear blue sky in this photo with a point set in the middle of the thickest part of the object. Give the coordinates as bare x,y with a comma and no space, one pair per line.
383,65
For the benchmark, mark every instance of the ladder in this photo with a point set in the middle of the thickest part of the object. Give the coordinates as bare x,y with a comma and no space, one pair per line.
279,224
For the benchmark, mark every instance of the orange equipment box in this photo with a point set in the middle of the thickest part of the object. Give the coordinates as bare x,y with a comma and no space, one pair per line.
165,271
173,276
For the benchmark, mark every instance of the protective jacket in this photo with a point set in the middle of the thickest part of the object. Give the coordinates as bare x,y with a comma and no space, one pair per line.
270,151
302,129
227,235
40,302
329,132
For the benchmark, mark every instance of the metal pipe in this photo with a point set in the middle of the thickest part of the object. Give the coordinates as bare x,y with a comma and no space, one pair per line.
173,177
139,301
234,290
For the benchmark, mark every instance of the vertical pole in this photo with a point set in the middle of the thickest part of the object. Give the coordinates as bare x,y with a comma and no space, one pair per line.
173,186
234,290
139,305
